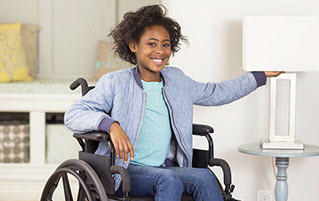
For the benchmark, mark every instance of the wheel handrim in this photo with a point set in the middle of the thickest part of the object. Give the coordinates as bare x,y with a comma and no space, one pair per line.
90,186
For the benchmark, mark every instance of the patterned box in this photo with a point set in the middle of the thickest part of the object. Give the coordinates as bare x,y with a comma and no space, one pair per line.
14,142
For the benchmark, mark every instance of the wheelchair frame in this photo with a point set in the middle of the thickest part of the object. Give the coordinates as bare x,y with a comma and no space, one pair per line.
94,172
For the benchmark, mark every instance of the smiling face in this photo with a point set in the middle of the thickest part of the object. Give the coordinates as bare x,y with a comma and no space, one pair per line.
152,52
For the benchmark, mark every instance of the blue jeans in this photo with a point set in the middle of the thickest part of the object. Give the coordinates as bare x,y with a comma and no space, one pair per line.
169,183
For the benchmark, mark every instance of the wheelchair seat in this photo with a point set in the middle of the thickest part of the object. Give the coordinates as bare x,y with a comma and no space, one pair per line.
94,172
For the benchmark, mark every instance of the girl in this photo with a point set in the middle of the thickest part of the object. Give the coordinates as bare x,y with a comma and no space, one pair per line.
148,109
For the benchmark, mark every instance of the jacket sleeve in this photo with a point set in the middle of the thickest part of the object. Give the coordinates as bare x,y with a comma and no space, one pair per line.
215,94
91,111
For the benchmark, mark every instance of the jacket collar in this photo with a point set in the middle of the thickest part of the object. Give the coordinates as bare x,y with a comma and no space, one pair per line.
138,79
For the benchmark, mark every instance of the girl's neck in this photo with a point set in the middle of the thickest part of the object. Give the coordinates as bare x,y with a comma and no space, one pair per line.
148,76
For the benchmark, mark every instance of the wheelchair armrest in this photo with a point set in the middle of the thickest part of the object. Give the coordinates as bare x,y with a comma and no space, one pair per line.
204,130
199,129
126,180
226,171
94,135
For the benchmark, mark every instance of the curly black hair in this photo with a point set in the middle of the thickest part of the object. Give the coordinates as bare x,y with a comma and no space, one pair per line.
133,26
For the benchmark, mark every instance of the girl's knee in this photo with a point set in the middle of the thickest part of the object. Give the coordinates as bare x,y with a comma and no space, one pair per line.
169,179
205,173
204,176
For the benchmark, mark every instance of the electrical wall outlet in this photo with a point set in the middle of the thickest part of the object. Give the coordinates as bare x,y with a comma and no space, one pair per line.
265,195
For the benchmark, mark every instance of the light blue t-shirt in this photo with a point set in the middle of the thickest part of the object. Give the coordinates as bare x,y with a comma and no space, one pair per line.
154,140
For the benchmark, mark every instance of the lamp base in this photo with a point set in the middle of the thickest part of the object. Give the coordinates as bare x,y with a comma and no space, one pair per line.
296,145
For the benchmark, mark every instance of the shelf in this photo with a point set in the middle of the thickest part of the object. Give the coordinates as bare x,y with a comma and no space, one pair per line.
37,99
26,172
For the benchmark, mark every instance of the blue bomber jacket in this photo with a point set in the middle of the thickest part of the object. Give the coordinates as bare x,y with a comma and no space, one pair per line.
119,96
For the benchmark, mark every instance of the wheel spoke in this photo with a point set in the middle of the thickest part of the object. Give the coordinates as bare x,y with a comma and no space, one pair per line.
67,189
90,187
80,194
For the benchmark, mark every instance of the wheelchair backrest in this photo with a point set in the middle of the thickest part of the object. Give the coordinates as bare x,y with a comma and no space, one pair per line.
90,146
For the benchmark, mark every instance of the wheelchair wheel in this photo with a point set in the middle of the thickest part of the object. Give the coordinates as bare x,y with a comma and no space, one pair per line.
90,187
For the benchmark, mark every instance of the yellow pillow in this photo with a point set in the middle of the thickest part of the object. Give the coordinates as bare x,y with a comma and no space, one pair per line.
13,65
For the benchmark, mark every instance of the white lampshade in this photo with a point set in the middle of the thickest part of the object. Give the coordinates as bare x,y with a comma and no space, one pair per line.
282,43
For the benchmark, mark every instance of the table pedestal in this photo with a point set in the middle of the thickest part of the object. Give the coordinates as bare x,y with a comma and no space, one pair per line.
282,163
281,190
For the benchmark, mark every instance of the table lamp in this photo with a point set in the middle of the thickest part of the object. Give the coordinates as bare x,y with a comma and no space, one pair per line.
281,43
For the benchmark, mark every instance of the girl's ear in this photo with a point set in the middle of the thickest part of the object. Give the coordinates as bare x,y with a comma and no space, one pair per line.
133,46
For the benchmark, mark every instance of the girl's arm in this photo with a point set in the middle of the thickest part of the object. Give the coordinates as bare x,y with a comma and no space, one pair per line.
273,73
86,114
214,94
91,113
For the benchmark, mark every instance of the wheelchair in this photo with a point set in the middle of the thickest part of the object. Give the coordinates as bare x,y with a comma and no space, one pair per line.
94,172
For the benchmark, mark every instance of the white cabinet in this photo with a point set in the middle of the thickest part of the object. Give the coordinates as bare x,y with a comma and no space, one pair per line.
25,181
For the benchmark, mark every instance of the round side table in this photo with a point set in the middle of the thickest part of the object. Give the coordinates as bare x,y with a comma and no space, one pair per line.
282,163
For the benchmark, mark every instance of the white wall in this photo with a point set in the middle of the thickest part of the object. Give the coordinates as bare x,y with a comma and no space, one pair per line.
69,36
215,35
70,31
125,6
17,10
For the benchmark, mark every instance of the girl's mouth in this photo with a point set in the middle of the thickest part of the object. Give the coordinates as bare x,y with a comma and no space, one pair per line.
158,61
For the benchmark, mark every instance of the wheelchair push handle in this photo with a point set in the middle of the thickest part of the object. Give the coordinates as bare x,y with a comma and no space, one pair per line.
80,81
84,85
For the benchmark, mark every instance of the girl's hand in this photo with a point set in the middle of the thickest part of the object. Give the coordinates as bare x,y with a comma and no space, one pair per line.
273,73
121,142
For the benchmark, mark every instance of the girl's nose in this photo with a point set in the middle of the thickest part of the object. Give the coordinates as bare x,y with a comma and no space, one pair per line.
159,50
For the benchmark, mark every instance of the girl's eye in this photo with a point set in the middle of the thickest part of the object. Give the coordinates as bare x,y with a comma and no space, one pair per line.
166,45
151,44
